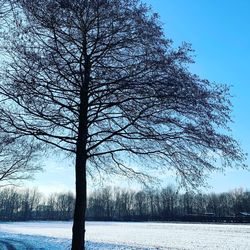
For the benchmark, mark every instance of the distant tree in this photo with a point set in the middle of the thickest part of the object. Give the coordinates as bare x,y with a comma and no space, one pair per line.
108,203
117,204
140,204
11,203
64,205
95,209
101,204
213,203
150,194
51,207
188,202
200,203
29,201
97,79
169,200
226,204
238,200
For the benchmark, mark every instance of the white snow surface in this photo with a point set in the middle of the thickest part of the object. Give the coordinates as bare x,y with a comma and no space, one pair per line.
135,236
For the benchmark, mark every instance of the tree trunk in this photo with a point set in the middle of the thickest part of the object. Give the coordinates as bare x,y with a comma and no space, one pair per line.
78,237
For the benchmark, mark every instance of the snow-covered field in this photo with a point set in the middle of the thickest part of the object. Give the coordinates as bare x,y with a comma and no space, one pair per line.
116,235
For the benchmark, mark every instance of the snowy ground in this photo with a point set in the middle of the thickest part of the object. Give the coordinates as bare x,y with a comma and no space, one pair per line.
117,236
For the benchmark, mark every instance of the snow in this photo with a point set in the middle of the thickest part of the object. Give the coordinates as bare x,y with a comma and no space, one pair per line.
22,241
117,235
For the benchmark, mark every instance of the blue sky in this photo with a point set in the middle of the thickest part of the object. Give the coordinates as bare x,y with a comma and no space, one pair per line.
220,35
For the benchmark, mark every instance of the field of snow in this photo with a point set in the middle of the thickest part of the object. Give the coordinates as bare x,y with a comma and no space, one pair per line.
116,235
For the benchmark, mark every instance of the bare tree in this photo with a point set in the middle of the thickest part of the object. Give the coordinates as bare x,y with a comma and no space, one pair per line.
30,199
97,79
17,160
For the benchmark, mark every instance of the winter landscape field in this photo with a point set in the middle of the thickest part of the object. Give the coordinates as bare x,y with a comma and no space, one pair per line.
116,235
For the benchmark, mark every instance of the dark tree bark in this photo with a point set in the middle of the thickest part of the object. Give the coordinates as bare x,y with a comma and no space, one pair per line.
98,80
80,165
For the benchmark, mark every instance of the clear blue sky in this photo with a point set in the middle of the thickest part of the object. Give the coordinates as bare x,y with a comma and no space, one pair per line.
220,35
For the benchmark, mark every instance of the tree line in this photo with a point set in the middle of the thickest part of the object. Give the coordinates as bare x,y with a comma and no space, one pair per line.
30,204
117,204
